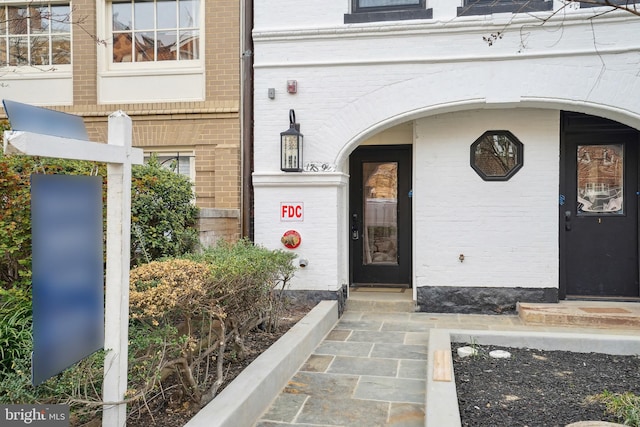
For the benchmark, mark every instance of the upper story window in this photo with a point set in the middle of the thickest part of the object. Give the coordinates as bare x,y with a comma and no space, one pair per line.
386,10
155,30
37,34
488,7
371,5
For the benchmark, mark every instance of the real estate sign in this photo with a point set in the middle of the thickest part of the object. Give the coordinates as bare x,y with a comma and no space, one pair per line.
68,272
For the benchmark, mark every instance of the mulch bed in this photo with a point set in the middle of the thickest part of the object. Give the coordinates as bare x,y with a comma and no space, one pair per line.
175,409
539,388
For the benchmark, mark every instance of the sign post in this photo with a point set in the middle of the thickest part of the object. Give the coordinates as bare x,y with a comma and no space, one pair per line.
119,156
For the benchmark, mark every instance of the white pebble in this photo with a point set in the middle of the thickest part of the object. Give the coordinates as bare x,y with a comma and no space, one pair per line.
500,354
467,351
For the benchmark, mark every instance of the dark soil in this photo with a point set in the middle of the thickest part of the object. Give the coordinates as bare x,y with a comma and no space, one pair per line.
175,410
539,388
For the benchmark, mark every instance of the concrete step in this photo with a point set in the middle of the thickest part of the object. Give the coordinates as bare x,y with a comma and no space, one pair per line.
593,314
381,300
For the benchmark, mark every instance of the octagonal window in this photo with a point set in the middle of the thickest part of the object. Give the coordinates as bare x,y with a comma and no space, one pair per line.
497,155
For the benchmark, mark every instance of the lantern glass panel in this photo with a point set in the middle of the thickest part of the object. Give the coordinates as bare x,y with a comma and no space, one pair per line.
290,152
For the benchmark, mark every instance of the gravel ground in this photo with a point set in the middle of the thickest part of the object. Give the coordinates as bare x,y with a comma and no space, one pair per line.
539,388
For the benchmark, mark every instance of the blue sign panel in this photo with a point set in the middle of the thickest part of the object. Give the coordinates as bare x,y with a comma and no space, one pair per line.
68,295
28,118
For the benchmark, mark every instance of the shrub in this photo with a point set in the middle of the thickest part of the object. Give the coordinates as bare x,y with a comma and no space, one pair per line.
15,210
15,328
163,217
189,316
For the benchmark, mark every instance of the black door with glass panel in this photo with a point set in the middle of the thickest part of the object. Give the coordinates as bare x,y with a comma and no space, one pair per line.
380,215
598,208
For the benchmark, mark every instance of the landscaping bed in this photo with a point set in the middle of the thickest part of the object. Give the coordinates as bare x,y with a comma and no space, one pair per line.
540,388
174,410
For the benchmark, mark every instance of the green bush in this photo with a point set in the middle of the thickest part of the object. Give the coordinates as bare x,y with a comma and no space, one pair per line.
187,312
162,209
15,327
163,217
15,210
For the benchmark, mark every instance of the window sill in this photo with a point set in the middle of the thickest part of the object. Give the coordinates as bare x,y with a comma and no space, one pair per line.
519,6
151,71
613,4
392,15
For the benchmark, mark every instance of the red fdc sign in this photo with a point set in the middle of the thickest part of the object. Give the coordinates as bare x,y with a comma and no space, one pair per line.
291,211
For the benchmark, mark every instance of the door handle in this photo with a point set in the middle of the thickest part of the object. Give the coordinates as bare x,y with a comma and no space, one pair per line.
567,220
355,234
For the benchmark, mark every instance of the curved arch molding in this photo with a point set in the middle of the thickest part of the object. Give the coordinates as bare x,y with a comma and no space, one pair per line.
592,90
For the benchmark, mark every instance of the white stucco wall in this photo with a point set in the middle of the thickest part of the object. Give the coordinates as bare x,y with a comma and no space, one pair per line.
507,230
357,80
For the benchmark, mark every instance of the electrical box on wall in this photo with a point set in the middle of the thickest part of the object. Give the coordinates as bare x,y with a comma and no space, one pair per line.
292,86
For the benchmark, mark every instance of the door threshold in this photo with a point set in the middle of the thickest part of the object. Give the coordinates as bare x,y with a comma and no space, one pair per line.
600,299
381,285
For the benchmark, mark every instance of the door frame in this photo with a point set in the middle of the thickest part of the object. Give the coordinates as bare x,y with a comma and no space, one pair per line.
575,124
376,153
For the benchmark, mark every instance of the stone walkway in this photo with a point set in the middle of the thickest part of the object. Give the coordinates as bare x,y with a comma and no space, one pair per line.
370,370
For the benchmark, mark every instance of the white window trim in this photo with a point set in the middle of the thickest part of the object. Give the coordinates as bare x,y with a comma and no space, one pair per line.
107,67
19,72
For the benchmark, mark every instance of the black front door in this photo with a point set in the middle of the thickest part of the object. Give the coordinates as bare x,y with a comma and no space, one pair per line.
380,215
598,208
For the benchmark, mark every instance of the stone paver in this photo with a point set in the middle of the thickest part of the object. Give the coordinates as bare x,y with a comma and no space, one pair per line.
371,370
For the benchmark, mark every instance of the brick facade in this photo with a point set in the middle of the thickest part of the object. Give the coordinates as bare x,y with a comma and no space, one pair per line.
210,128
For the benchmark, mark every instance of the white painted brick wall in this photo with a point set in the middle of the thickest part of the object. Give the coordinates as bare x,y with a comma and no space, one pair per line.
355,81
321,231
507,231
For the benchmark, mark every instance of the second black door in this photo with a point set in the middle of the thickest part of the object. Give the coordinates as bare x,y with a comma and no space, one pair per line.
599,208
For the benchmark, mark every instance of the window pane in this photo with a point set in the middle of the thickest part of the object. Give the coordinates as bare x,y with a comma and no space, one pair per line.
39,20
165,30
122,47
166,12
189,13
167,45
143,15
145,46
384,3
122,16
178,163
189,45
496,155
18,51
61,49
17,20
600,178
60,19
40,50
380,213
3,52
3,20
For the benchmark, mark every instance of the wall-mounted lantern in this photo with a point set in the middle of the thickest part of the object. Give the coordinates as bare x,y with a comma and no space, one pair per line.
291,146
